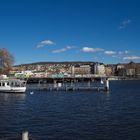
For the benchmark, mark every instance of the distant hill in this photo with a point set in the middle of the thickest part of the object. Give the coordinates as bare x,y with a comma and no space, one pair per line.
66,62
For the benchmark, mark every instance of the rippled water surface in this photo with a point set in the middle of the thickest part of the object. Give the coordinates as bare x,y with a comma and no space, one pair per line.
74,115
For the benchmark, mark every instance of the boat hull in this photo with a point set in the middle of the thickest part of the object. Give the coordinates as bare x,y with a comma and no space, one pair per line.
13,90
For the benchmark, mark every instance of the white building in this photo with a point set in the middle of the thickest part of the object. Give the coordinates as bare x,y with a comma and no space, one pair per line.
23,74
99,69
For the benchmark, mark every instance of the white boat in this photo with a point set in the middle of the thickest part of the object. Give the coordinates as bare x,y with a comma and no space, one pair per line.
12,85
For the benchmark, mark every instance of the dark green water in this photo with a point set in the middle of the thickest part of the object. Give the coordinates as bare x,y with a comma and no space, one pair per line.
74,115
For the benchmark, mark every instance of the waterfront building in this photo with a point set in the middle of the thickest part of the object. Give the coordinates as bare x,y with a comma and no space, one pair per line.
110,69
99,69
81,69
138,71
78,69
130,72
120,70
131,69
23,74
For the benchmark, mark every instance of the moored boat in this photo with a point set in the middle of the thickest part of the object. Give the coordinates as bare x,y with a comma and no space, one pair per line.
12,85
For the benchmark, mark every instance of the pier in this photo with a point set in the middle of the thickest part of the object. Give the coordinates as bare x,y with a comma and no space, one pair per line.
71,84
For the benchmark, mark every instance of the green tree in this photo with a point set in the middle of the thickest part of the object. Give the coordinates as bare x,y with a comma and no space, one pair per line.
6,61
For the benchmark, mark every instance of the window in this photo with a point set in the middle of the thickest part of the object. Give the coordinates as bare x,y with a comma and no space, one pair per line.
3,84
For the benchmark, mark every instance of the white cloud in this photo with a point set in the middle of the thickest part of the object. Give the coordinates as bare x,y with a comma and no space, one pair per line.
116,57
59,50
110,52
123,53
63,49
70,47
126,52
87,49
120,53
45,43
124,24
130,58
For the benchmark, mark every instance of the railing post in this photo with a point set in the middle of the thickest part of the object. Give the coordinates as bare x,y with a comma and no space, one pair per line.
107,85
88,83
25,135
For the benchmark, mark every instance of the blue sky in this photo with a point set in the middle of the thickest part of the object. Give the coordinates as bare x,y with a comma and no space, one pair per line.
106,31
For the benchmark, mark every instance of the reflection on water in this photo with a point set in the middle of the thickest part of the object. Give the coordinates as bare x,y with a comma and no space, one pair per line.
74,115
11,96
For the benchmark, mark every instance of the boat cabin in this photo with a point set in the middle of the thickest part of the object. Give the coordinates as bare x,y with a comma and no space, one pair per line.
12,83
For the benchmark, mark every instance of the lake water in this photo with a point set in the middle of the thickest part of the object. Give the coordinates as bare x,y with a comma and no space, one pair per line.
74,115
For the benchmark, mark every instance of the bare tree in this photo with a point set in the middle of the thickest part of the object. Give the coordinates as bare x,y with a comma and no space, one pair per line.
6,61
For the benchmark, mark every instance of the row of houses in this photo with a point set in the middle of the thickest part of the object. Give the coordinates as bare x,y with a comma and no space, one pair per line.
126,70
78,69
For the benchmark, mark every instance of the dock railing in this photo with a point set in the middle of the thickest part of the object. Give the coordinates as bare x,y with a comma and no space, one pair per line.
66,86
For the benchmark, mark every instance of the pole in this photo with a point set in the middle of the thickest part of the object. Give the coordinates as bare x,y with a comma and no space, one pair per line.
89,83
25,135
107,85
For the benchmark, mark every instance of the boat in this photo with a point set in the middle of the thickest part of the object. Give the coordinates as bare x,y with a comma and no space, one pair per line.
12,85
